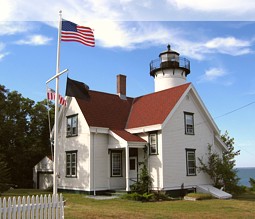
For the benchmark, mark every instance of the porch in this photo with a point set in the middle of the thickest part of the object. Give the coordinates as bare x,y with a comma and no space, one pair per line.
125,164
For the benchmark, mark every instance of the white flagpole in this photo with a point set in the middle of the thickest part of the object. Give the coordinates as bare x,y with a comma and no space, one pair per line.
55,167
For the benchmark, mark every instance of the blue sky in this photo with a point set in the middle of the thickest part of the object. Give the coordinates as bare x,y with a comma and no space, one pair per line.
128,36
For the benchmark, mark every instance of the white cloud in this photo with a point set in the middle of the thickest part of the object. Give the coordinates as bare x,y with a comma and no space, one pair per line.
2,53
130,35
20,10
123,10
219,45
229,45
232,6
6,9
212,75
35,40
12,27
1,56
102,15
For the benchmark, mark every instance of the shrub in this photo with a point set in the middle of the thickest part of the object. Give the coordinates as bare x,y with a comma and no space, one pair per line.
138,197
143,185
160,196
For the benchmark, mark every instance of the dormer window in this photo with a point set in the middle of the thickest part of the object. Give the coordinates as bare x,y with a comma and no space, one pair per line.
72,125
189,123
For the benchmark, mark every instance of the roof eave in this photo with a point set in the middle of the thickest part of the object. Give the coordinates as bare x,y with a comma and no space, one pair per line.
222,144
215,127
125,143
176,106
202,105
144,129
101,130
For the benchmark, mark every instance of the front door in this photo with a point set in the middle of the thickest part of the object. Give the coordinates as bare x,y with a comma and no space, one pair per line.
132,170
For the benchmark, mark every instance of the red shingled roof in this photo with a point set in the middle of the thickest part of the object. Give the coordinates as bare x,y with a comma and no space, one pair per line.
128,136
153,108
110,111
105,110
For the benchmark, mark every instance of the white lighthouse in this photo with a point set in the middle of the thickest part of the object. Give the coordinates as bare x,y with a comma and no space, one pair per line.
169,70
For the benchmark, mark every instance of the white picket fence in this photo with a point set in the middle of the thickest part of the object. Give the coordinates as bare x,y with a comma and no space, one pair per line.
39,207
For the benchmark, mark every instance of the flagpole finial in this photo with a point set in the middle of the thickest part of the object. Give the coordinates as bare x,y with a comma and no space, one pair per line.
60,12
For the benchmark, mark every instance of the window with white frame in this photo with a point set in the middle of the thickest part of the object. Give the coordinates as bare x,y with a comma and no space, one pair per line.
189,123
116,163
71,164
72,125
191,162
153,140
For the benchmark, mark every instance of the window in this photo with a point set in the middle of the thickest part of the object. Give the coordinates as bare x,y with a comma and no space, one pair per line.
191,162
116,163
153,140
132,164
72,126
71,163
189,123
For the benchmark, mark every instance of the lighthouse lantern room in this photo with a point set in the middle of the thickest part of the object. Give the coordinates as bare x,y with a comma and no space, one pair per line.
169,70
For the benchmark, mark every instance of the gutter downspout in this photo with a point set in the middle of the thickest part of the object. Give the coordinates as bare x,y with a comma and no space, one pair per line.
127,168
93,145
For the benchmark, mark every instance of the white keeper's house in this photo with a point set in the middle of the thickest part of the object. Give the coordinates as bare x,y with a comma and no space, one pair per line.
105,139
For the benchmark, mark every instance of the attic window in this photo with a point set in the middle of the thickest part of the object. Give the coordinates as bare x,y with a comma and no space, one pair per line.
189,123
72,125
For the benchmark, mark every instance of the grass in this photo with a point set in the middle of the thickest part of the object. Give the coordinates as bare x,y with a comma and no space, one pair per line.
79,206
199,196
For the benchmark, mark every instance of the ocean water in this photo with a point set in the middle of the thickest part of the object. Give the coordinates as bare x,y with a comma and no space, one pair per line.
245,173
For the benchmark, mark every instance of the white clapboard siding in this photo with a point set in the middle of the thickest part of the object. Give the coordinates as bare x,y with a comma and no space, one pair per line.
43,207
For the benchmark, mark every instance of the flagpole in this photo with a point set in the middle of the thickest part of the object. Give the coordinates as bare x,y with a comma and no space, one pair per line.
55,167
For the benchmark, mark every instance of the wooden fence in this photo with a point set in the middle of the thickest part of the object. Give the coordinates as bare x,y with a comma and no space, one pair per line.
41,207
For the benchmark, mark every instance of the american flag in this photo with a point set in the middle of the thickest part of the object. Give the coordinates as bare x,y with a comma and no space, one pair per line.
51,96
73,32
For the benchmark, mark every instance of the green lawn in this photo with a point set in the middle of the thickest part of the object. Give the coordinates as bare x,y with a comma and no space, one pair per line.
80,206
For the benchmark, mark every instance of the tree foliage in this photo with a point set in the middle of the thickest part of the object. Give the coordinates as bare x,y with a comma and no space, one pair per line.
221,168
252,183
24,134
5,175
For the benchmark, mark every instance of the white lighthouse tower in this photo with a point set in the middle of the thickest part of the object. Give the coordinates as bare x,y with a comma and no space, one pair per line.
169,70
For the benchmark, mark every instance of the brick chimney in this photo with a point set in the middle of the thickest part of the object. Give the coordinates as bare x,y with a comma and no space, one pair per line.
121,86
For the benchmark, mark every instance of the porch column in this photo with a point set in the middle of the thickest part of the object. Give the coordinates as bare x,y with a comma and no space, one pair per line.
127,169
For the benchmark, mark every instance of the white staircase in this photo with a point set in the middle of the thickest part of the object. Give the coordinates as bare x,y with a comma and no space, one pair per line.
213,191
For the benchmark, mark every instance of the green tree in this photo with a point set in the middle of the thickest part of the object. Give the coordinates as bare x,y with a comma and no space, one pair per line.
5,176
24,134
229,172
221,169
212,166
